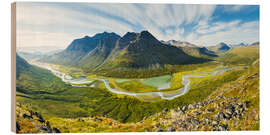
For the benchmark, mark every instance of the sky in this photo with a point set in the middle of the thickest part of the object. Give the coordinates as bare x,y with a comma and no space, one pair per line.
56,25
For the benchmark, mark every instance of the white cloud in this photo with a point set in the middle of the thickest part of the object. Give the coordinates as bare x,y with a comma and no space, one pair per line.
43,25
246,32
217,26
58,24
234,8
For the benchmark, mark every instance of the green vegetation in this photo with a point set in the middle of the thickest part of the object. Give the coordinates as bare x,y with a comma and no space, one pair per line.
32,79
58,102
240,55
81,102
147,73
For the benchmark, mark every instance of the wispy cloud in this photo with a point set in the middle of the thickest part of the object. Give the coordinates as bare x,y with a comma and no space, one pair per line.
232,33
57,24
233,8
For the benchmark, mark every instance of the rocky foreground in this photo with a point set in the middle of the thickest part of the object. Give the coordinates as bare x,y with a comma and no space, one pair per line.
28,121
232,107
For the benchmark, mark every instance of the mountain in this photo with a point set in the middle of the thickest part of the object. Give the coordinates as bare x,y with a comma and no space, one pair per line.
32,79
36,55
220,48
201,52
255,43
143,50
192,49
240,44
21,65
86,52
108,51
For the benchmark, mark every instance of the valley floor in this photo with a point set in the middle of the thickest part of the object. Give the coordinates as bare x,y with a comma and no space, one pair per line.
222,110
233,106
228,101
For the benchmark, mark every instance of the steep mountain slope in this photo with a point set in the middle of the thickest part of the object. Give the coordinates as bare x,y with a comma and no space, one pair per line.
85,52
107,51
32,79
97,56
143,50
21,65
220,48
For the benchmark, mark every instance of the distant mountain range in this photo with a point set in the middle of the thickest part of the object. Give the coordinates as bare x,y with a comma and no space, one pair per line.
255,43
192,49
133,50
36,55
220,48
245,44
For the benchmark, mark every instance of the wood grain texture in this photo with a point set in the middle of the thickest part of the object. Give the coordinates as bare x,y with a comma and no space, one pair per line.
13,67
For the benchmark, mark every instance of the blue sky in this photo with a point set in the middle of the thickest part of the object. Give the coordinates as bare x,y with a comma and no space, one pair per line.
57,24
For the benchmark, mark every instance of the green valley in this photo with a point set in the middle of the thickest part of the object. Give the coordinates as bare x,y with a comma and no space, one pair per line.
136,97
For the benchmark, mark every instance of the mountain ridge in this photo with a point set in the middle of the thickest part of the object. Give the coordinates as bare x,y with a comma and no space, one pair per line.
133,50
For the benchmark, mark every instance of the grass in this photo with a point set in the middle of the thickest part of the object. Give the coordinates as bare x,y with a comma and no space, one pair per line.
240,55
83,102
55,99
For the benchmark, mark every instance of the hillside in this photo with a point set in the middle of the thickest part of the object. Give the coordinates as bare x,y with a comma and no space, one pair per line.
231,106
32,79
212,103
240,55
29,121
220,48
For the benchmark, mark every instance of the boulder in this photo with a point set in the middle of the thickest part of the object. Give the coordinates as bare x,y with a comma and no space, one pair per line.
184,108
159,130
170,129
227,116
210,110
222,127
18,127
220,115
190,106
27,116
165,110
195,121
229,111
157,125
238,117
55,130
214,122
206,121
196,113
